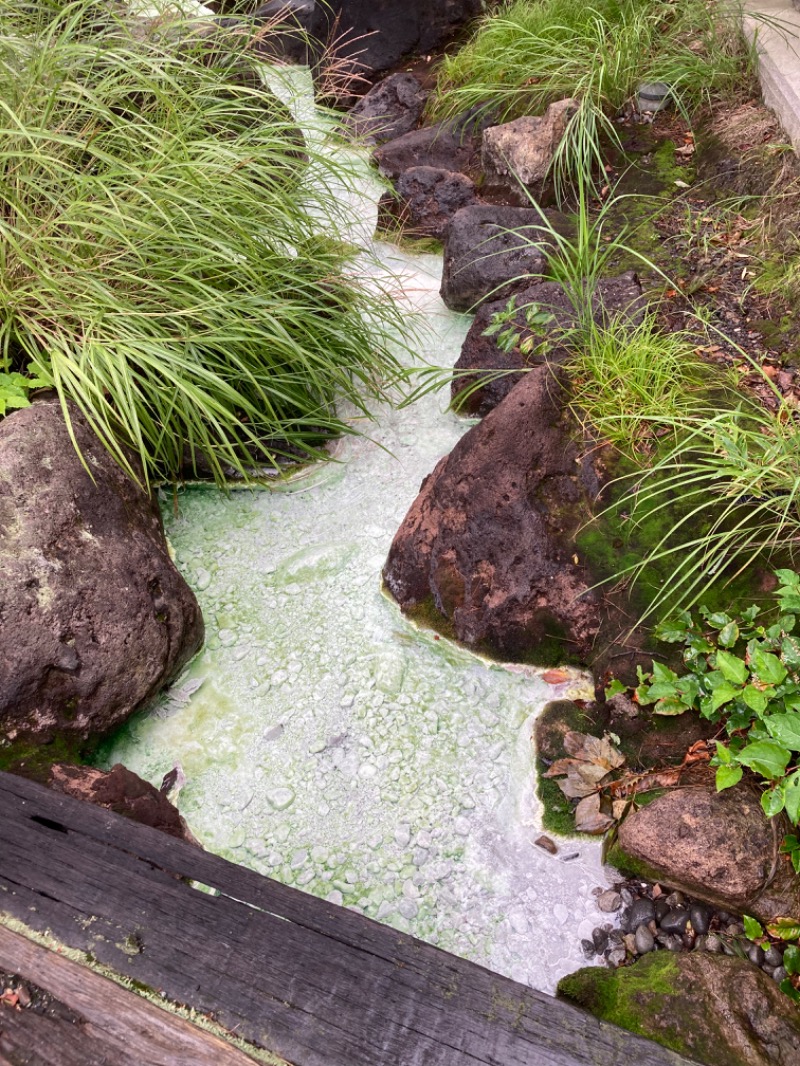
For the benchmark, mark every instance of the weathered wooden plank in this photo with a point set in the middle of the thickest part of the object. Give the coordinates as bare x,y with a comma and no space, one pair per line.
316,983
109,1024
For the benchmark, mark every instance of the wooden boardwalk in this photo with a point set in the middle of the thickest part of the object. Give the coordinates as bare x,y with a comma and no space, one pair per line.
313,983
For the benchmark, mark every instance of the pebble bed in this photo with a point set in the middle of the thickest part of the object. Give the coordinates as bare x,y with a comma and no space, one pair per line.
652,919
329,743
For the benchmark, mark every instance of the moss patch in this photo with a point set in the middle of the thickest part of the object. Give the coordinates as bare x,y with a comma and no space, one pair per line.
34,760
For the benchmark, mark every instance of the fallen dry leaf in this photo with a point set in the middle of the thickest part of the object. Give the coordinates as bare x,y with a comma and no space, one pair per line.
555,677
589,818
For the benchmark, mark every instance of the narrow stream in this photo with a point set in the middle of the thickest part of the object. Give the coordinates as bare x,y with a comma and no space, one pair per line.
327,742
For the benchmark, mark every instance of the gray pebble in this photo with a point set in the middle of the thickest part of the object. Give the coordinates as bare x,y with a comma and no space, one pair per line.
675,920
644,940
755,953
773,956
627,896
616,937
616,957
587,947
700,917
600,940
641,912
779,974
675,899
713,944
609,901
734,928
700,943
675,943
630,943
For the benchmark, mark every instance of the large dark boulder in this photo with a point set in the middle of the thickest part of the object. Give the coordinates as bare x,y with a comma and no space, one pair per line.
715,1009
391,108
94,616
123,792
426,199
487,545
489,251
377,34
453,146
482,354
717,846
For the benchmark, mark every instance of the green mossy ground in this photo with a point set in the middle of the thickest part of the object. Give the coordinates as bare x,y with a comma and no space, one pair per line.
34,760
629,997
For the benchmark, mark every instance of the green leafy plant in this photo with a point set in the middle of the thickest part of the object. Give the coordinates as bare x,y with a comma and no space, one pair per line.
746,676
14,389
527,54
736,472
781,930
508,336
168,252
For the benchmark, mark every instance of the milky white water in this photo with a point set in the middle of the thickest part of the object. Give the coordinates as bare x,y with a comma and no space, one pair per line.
328,743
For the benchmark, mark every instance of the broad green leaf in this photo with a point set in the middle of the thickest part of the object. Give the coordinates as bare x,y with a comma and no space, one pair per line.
756,698
661,690
753,929
784,928
789,843
766,757
785,728
728,776
723,694
731,667
791,959
790,602
673,630
768,667
791,792
718,620
788,577
788,988
670,707
723,754
615,688
663,673
772,802
728,635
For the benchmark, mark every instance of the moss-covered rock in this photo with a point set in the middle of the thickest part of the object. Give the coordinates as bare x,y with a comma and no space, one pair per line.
719,1010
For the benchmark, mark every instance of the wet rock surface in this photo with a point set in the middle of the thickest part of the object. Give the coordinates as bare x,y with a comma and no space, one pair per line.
718,846
487,541
453,145
94,617
714,1008
523,150
614,296
490,250
121,791
390,108
426,199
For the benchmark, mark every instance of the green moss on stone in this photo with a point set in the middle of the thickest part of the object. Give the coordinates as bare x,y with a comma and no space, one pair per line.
626,864
34,760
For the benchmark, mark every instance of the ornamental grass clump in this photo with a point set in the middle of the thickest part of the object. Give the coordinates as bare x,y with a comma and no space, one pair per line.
532,52
166,263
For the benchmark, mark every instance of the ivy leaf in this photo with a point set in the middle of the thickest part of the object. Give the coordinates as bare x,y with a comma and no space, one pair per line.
732,668
785,728
772,802
723,754
718,620
769,668
787,987
728,776
673,630
753,929
791,959
784,928
791,792
766,757
728,635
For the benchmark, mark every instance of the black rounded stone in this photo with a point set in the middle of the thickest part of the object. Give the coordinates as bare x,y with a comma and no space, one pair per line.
675,920
641,912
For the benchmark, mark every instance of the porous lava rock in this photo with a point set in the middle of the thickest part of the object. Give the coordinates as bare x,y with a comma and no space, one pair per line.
490,250
612,297
123,792
94,616
487,543
390,108
715,1009
426,199
717,846
523,150
453,145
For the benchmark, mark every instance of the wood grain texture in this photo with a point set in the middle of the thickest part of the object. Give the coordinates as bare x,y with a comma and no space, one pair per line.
314,983
109,1024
